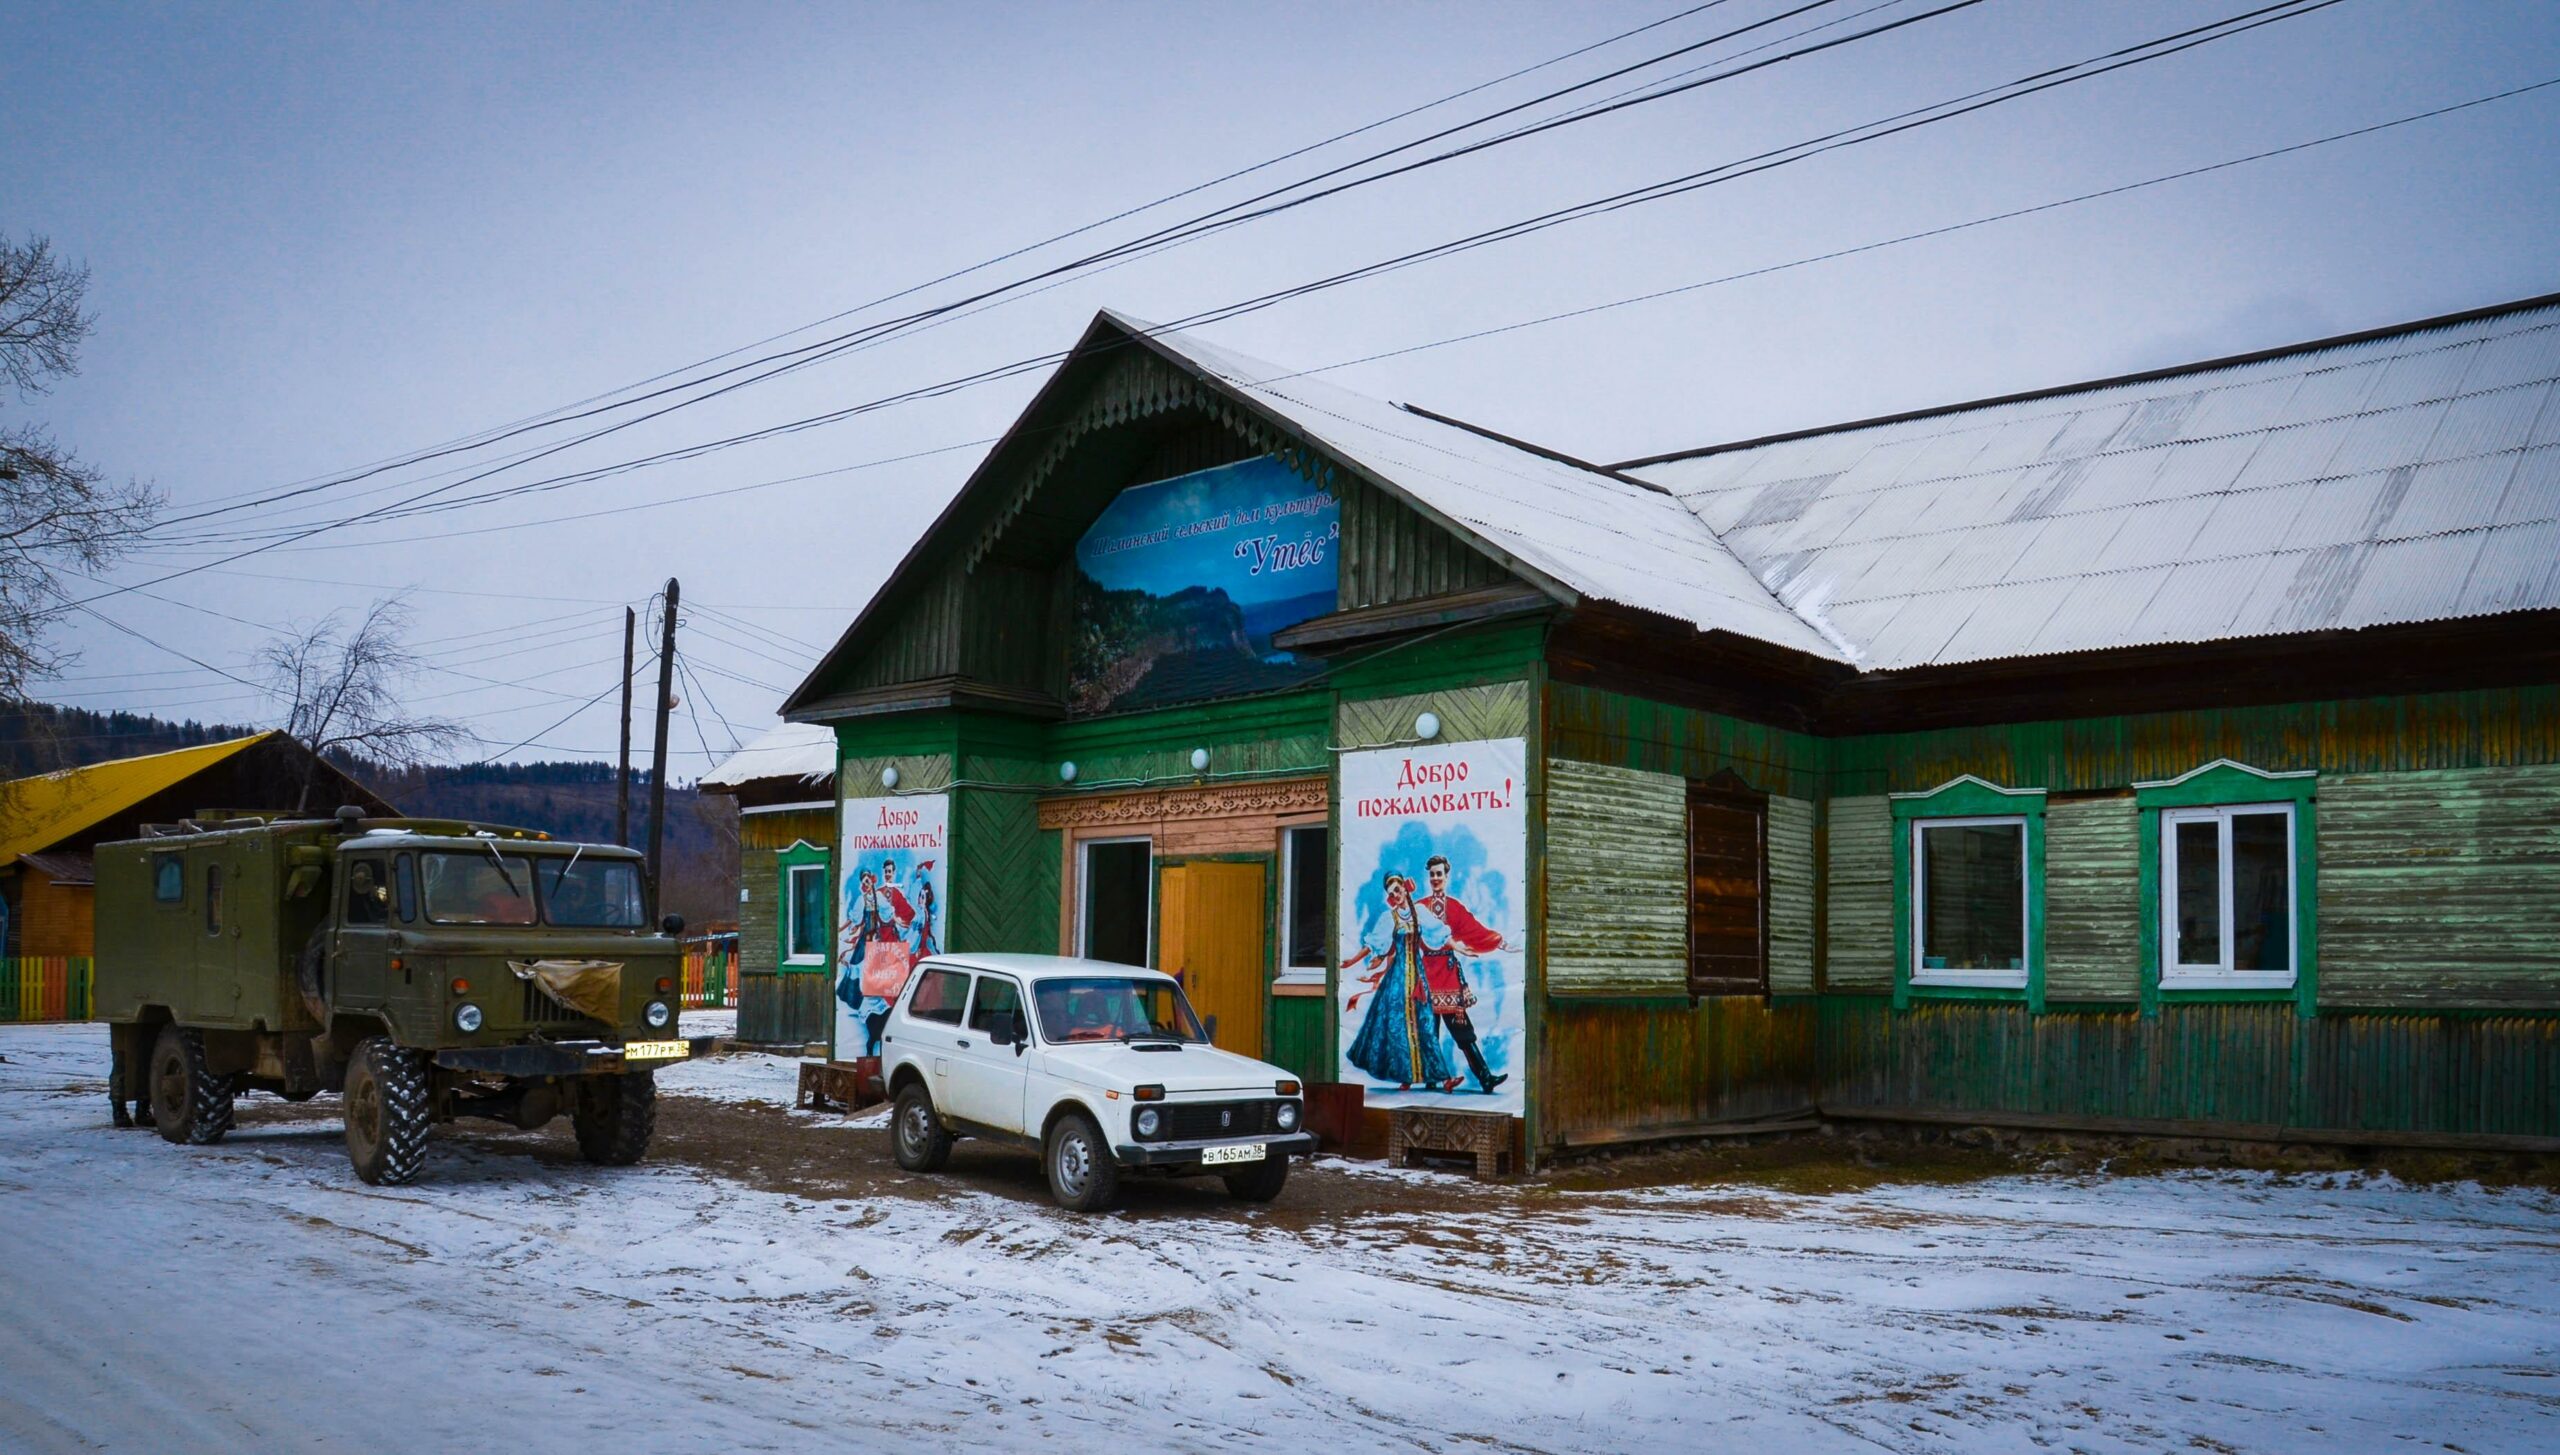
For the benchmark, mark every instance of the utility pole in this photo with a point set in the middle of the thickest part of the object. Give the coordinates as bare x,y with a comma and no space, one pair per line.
622,780
658,758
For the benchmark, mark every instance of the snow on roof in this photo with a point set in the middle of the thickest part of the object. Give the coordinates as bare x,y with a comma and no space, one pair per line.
2406,476
805,751
1595,534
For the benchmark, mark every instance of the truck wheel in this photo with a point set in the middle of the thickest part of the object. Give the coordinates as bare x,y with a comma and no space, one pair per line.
388,1112
1082,1176
189,1104
615,1116
1260,1182
921,1142
309,968
120,1097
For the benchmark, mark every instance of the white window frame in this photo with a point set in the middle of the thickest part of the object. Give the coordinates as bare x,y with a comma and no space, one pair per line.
2175,976
791,909
1084,873
1298,974
1968,979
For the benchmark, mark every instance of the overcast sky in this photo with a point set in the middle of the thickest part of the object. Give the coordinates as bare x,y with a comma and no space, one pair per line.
328,235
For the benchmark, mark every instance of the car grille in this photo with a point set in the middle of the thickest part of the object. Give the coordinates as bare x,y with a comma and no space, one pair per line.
1200,1121
541,1010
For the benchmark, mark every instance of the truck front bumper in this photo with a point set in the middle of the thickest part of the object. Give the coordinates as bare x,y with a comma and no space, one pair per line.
1177,1154
560,1058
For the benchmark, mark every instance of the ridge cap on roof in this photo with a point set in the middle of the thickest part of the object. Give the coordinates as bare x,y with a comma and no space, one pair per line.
2139,376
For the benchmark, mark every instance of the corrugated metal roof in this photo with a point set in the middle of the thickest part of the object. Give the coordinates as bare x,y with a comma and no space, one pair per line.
2399,477
36,813
806,751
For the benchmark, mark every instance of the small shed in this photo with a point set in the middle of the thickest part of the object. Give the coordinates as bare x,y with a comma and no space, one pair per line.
784,785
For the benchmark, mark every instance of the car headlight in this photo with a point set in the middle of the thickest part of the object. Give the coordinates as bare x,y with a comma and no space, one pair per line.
657,1015
1288,1116
1149,1120
466,1018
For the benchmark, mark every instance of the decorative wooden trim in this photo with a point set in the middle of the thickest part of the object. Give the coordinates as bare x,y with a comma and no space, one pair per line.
1221,800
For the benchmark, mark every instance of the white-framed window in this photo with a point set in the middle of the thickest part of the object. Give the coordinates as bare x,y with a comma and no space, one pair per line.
804,911
1116,900
2227,902
1969,902
1303,849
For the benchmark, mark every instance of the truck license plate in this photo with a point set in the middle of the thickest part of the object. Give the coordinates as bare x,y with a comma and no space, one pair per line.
1221,1156
655,1051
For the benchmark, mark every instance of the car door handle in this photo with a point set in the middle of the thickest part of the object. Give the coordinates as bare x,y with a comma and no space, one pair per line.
964,1045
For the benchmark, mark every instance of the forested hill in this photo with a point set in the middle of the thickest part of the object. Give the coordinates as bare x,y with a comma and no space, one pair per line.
569,799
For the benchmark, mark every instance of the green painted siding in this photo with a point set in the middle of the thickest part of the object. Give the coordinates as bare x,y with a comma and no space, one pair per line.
1617,881
1615,1071
1390,553
1859,935
2093,900
2440,889
917,773
1791,876
1467,715
1295,1034
1590,725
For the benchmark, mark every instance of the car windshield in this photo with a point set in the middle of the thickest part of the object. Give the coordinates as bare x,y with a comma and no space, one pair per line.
477,887
1114,1008
590,893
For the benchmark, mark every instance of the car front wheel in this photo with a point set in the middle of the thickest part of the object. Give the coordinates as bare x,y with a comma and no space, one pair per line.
922,1143
1260,1182
1082,1176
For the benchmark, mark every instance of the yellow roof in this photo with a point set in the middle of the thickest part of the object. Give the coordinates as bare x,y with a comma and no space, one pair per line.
41,811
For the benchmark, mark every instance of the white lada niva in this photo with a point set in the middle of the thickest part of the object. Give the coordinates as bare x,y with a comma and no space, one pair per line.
1102,1067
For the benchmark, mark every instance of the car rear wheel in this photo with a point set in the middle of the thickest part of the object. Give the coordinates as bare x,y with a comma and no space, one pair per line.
1082,1176
1260,1182
389,1111
189,1104
922,1143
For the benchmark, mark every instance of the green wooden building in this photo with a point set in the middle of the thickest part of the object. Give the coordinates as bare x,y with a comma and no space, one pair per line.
784,786
2172,753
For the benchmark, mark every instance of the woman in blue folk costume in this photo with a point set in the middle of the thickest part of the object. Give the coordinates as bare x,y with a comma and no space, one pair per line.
1399,1039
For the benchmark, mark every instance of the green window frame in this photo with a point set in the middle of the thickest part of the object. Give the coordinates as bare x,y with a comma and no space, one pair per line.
1966,801
2196,795
794,867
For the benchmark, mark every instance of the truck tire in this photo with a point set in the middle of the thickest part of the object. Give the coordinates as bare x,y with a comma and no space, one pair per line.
1082,1176
916,1134
189,1104
130,1108
389,1111
1260,1182
614,1117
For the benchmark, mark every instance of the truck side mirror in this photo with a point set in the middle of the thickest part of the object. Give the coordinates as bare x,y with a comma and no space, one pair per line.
672,925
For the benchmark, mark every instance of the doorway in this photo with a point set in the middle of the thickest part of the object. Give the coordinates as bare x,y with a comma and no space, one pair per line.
1211,937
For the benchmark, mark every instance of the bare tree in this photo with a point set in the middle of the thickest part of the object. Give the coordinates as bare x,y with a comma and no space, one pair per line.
346,684
57,512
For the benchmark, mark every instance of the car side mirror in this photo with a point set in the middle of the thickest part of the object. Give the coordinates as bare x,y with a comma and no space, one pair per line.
1004,1028
672,925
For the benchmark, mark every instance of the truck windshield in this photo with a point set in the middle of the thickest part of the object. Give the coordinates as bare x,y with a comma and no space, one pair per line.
590,893
1114,1008
477,887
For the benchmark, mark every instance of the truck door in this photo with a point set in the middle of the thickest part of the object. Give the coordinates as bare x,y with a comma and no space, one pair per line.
360,968
986,1080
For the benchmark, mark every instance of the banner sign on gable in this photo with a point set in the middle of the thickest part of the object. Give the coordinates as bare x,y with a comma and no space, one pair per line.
892,866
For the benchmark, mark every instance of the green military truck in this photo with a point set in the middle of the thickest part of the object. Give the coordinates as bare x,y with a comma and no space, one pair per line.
423,969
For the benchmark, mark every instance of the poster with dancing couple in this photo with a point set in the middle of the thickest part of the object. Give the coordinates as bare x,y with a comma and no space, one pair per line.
1435,842
890,908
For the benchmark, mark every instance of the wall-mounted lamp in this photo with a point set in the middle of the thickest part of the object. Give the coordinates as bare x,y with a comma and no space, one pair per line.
889,776
1427,726
1199,760
1066,772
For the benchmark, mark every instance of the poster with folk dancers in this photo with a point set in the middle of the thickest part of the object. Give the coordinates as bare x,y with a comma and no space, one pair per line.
890,908
1434,925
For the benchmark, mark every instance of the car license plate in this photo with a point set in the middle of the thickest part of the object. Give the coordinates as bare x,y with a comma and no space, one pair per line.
1221,1156
655,1051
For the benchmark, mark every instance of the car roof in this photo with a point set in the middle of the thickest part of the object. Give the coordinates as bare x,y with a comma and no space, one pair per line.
1045,965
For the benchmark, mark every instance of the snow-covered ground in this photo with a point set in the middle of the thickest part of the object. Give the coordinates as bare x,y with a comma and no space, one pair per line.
254,1296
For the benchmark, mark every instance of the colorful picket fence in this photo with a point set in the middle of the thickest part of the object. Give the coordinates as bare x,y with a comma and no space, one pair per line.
46,988
710,964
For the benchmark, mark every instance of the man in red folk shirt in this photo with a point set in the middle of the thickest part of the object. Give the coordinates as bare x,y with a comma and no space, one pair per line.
1450,996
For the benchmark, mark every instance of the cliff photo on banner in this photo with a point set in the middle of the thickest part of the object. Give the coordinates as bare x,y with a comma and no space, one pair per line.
1434,925
1181,584
890,908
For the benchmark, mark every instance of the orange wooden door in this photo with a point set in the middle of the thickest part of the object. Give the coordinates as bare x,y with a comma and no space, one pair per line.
1209,933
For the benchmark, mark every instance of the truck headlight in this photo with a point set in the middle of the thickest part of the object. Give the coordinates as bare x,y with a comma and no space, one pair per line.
657,1015
466,1017
1149,1121
1287,1116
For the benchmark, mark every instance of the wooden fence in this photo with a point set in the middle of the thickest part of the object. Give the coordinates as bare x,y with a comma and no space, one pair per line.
710,965
46,988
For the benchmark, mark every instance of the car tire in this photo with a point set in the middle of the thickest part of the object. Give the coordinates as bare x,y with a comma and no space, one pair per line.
1082,1176
615,1117
1260,1182
916,1132
189,1104
389,1107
